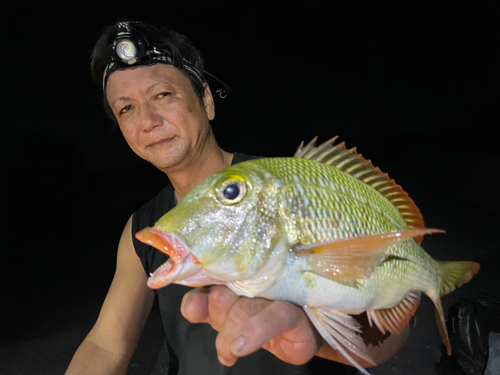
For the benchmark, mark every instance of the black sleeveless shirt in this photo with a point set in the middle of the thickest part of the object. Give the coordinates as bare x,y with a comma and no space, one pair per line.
191,347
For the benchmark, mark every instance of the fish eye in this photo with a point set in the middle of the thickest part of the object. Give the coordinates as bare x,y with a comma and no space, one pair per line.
232,191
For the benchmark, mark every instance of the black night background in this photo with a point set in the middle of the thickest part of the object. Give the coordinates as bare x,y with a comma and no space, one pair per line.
414,85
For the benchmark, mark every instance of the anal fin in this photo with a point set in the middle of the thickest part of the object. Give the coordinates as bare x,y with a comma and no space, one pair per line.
395,318
341,332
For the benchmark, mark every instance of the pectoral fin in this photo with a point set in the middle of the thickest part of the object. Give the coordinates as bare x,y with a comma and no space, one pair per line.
340,331
355,257
395,318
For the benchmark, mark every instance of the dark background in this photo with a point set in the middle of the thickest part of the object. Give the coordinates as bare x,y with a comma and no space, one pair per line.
414,85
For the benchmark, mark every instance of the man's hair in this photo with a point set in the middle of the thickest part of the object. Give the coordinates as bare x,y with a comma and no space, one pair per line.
177,46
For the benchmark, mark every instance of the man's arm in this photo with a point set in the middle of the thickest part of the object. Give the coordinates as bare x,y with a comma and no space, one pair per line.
108,347
247,324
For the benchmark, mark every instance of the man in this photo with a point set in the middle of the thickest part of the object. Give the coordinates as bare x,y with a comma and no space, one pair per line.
154,86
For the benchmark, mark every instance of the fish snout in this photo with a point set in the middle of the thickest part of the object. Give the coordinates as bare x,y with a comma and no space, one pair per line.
166,242
181,265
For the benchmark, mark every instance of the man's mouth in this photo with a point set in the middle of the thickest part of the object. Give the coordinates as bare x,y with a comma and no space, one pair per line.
161,142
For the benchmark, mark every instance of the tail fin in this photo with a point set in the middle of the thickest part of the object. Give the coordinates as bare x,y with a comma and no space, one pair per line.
454,274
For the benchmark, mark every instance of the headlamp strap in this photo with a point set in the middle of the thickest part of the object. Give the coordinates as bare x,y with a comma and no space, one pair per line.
125,31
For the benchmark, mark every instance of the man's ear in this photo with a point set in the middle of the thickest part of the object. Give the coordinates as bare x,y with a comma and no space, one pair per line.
208,99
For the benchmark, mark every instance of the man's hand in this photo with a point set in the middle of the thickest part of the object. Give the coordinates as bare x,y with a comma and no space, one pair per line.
247,324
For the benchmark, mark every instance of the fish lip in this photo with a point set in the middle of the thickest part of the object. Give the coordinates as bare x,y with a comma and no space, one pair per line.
174,272
181,264
166,242
162,276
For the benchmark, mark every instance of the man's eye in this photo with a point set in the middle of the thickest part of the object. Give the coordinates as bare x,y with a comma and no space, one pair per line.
163,95
125,109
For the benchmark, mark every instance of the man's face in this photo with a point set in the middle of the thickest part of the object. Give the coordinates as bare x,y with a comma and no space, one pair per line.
159,113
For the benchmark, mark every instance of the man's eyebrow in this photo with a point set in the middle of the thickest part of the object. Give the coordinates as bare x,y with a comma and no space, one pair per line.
121,98
127,98
152,86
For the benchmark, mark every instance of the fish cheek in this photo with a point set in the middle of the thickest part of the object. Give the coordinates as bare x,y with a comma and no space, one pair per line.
254,233
221,234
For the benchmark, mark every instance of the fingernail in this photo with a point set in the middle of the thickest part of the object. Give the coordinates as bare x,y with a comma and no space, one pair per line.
238,343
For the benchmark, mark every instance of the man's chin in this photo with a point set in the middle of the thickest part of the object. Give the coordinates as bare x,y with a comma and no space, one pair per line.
166,157
168,163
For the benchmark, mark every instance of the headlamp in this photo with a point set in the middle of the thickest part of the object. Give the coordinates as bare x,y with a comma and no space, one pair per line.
129,46
125,49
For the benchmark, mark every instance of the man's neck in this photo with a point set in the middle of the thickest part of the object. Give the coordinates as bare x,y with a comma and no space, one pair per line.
199,166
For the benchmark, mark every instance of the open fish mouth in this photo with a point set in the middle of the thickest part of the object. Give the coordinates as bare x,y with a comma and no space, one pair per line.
181,265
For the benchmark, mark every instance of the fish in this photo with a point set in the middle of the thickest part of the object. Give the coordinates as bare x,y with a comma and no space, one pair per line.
324,229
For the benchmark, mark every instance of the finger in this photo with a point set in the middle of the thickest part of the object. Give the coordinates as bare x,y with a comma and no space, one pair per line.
277,318
194,305
220,301
239,315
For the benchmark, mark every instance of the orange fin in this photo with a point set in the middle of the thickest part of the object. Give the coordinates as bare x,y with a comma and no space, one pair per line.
441,323
354,257
350,162
341,332
453,274
395,318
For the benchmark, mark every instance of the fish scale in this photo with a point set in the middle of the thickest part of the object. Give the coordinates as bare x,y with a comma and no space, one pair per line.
342,200
325,230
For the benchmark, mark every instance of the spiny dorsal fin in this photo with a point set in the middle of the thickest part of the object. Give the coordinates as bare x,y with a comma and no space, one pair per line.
350,162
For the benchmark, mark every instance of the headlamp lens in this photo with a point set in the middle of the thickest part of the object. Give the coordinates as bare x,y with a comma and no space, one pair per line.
126,50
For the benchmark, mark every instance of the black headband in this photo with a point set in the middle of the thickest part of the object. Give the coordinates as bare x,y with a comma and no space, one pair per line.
132,48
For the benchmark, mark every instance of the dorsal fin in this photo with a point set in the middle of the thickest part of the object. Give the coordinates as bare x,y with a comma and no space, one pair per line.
350,162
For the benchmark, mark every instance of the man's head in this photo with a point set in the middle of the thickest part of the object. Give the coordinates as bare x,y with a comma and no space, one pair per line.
152,46
160,101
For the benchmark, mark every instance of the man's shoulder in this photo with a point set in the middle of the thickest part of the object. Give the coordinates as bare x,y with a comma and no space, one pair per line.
155,208
239,157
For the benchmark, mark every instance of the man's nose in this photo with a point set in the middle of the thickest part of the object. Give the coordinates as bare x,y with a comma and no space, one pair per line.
149,117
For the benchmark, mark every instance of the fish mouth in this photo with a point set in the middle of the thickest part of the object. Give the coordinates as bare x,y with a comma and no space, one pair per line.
181,265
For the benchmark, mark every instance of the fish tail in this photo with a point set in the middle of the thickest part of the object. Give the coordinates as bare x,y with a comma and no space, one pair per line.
453,274
456,274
